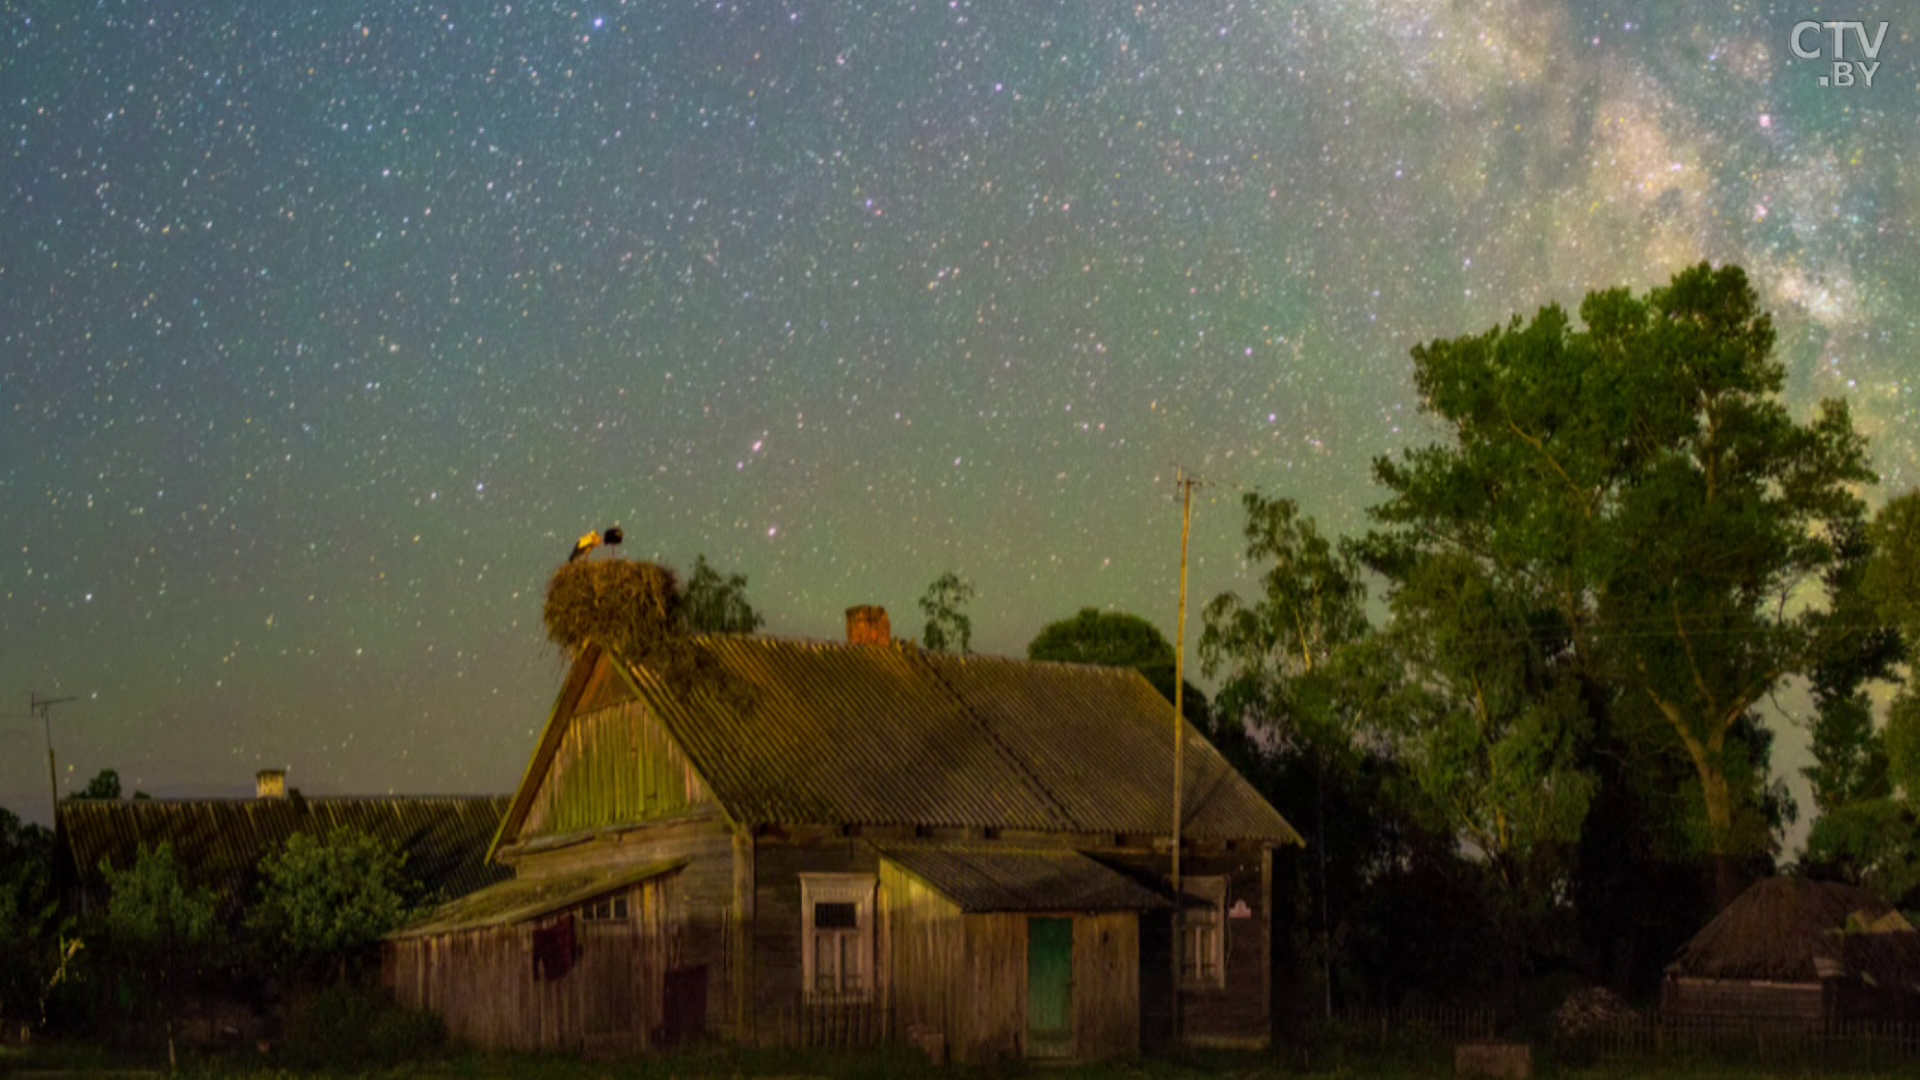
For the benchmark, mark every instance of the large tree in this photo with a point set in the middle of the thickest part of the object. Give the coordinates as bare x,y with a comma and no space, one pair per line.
1641,478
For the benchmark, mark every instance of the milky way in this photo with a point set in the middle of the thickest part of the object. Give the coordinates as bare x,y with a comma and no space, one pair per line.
323,333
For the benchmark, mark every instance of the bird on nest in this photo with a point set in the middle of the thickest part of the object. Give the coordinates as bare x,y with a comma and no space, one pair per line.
610,537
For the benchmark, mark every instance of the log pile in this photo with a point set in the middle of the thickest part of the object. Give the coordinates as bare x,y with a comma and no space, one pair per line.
1592,1011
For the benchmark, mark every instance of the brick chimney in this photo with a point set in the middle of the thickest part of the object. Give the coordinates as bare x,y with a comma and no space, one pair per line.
867,625
270,784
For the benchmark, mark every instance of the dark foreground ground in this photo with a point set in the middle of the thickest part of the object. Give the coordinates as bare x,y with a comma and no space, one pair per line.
51,1061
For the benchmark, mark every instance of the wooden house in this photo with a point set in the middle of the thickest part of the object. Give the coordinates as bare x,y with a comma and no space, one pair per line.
837,842
1797,952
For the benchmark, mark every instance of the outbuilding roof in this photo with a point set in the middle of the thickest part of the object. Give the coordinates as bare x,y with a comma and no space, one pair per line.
444,838
1790,929
528,898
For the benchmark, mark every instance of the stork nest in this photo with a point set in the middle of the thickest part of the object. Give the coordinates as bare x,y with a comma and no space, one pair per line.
631,609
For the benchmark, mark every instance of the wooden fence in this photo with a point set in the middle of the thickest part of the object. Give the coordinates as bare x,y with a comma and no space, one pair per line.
1838,1042
1390,1027
1850,1041
833,1026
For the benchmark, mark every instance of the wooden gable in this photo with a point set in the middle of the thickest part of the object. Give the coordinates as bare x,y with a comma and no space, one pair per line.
614,766
604,760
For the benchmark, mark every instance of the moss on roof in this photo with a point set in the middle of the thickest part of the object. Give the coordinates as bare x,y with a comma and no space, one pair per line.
523,899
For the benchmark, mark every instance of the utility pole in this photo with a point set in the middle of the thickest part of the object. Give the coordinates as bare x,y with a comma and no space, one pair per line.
43,708
1186,484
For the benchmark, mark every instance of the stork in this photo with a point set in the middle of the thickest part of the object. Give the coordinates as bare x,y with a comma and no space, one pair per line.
610,537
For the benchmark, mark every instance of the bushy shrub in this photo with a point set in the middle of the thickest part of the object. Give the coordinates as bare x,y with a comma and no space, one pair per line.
326,900
347,1026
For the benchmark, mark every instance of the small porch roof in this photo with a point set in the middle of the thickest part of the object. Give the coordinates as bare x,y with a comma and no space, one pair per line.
989,878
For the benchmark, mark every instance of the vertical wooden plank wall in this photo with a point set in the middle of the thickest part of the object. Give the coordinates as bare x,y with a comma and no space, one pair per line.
613,765
481,982
701,930
992,983
778,862
1239,1012
740,939
1106,986
926,954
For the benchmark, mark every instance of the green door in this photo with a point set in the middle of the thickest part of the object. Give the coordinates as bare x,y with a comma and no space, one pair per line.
1050,987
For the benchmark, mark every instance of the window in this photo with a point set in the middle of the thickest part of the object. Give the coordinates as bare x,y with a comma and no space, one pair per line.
605,909
837,921
1203,932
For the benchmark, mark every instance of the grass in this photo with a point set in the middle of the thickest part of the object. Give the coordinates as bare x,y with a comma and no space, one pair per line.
53,1060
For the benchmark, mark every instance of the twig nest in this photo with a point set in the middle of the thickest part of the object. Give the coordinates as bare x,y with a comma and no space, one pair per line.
630,608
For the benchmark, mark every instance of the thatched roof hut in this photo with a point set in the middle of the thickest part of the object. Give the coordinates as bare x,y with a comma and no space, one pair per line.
1793,949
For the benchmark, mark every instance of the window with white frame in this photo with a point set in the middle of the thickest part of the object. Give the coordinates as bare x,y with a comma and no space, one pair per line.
1203,951
837,924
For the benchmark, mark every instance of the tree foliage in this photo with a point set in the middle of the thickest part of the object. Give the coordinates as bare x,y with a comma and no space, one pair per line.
1620,544
1866,781
1117,639
1641,479
948,628
1274,653
29,917
715,603
152,908
104,785
1105,638
324,900
162,932
1490,728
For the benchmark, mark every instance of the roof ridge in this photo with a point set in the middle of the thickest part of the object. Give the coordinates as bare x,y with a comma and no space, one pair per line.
251,800
1055,808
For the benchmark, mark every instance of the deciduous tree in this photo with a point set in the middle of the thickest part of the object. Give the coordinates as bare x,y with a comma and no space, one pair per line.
325,900
716,603
1641,478
949,628
162,931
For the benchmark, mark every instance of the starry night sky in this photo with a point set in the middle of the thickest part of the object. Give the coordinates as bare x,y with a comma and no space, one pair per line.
324,332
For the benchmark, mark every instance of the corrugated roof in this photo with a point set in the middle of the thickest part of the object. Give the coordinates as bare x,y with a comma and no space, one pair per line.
444,837
991,878
894,735
1790,929
530,898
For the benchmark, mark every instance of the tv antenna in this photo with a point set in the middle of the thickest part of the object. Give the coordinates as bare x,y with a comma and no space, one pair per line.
42,706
